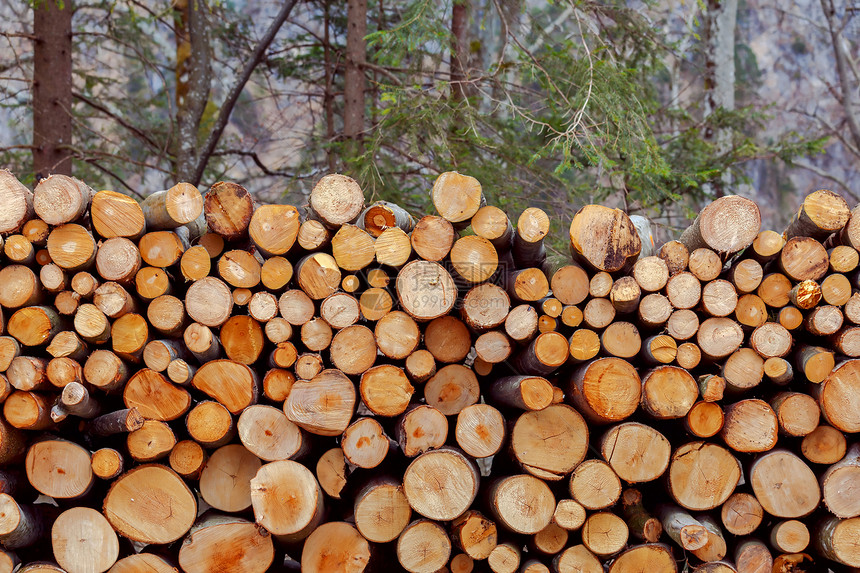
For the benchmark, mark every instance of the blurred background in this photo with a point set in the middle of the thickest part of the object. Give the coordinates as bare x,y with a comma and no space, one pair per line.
654,107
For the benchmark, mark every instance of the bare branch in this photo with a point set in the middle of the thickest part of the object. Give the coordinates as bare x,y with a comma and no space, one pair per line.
848,103
119,119
11,147
18,35
824,174
233,97
80,155
259,162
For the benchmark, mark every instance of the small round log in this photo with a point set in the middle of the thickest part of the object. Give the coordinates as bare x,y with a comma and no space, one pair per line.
331,388
209,302
741,514
451,389
385,390
705,264
18,202
107,464
651,273
689,355
425,290
836,539
824,445
704,419
336,200
287,500
381,510
485,307
789,536
28,410
480,430
225,482
441,484
621,446
273,228
188,458
594,485
604,534
522,503
364,443
153,441
820,214
421,428
152,282
843,259
746,275
155,397
668,392
228,208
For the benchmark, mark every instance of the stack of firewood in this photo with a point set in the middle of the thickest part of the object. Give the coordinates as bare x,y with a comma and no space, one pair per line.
198,382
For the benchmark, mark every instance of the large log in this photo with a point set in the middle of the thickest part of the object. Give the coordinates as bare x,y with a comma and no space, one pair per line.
18,202
228,208
604,238
218,542
287,500
725,226
551,442
784,485
820,214
457,197
605,390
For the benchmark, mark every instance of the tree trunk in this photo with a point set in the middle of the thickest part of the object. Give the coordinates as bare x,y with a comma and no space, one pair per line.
720,73
353,111
52,88
459,48
193,80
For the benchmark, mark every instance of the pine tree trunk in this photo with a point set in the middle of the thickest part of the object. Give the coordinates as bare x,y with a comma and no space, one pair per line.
52,88
353,112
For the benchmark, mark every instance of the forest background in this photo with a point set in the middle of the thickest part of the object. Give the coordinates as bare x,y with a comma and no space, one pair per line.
655,106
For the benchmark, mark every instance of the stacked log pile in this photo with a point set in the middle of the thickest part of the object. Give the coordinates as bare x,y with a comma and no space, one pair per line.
198,383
